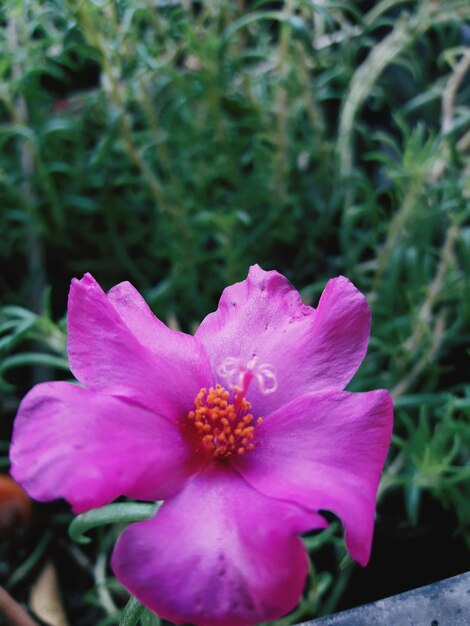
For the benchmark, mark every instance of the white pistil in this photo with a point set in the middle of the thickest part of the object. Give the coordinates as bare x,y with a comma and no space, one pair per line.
239,375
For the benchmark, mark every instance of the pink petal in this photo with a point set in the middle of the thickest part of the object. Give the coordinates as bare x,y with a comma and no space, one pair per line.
217,554
89,448
326,451
116,345
310,350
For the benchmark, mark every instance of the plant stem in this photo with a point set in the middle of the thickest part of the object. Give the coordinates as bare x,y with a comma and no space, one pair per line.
14,612
35,245
406,31
281,158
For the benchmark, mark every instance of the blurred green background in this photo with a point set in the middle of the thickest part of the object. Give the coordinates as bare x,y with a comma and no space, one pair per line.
174,143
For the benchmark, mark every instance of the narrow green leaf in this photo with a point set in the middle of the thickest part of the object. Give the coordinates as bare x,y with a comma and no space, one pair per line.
33,358
132,612
118,513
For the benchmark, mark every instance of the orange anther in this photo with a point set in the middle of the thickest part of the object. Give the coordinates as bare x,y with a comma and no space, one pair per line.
222,421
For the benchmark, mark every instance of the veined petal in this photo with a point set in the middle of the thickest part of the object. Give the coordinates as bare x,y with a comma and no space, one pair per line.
263,317
90,448
117,346
326,451
217,554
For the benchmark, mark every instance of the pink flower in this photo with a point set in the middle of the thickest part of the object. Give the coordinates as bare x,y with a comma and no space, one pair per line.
244,430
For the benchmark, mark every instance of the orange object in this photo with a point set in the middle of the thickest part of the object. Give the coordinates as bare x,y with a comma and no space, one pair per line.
15,505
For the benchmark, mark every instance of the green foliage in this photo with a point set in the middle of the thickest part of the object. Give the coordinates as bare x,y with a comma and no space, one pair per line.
18,325
173,145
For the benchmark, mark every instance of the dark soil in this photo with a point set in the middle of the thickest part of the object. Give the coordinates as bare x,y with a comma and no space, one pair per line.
405,557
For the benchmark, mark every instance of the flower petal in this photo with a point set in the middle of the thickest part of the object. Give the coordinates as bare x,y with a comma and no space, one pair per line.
116,345
89,448
326,451
217,554
310,350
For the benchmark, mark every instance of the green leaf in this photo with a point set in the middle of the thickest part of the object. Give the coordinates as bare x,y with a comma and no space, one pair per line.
30,358
248,19
118,513
132,612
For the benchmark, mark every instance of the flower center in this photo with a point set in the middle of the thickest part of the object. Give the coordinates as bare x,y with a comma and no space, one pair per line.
224,422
